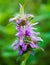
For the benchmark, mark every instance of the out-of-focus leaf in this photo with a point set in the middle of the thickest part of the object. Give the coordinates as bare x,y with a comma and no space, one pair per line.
41,17
2,29
46,39
9,52
9,29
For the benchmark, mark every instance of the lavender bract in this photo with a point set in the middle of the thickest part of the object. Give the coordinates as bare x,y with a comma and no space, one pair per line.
26,33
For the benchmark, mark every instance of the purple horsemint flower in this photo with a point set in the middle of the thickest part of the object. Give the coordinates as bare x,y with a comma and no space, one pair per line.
28,38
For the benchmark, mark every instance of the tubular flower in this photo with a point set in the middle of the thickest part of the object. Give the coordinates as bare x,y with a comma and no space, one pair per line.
28,38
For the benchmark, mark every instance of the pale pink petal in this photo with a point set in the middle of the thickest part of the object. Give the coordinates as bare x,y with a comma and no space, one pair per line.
29,15
12,19
16,47
35,23
36,33
14,43
33,45
24,47
20,52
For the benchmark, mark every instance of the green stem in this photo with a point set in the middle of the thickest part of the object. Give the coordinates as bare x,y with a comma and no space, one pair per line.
25,59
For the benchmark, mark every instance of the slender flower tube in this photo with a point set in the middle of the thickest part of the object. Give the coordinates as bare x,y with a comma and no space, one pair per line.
28,38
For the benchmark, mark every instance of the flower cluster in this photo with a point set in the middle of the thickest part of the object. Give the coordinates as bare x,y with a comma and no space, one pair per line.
26,33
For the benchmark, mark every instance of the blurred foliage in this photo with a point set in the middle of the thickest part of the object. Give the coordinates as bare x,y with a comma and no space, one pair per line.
41,10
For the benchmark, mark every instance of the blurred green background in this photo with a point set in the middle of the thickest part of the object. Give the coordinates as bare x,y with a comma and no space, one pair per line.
41,10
